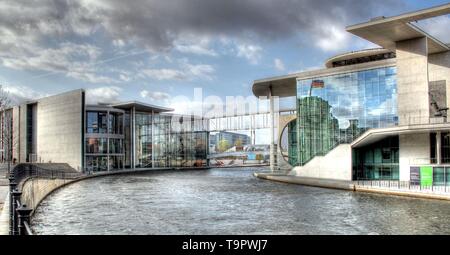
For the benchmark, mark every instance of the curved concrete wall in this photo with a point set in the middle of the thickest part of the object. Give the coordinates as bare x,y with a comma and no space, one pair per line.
34,190
336,164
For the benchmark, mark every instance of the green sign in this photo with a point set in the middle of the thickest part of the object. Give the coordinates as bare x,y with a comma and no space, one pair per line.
426,176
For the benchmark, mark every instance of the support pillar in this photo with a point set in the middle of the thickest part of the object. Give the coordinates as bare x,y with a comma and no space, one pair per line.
272,127
133,138
153,139
438,148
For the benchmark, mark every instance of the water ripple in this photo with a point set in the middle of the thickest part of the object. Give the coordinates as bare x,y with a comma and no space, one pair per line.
221,201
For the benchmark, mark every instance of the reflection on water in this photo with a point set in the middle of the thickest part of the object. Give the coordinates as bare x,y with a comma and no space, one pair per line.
229,201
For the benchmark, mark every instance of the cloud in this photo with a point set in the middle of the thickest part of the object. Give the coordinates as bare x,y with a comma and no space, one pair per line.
158,25
437,27
251,52
194,45
103,94
164,74
334,38
186,71
279,65
18,94
155,95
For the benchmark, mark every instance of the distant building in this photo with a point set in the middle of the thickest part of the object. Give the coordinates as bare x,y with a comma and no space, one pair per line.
230,137
103,137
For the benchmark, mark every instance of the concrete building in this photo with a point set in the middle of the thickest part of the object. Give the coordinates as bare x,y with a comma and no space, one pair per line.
377,114
231,137
63,129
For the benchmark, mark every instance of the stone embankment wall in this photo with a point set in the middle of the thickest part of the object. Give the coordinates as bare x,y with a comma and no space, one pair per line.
34,190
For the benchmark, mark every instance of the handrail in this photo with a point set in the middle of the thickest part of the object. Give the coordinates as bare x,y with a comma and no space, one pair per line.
20,214
28,230
415,186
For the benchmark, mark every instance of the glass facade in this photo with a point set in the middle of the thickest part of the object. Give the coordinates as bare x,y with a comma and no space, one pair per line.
115,123
168,141
292,143
377,161
96,122
96,145
104,140
338,108
118,138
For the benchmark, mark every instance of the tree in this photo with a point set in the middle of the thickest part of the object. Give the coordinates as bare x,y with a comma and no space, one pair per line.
223,145
238,143
6,127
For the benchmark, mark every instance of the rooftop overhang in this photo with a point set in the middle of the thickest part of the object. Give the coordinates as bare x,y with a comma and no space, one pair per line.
385,32
281,86
355,54
142,107
374,135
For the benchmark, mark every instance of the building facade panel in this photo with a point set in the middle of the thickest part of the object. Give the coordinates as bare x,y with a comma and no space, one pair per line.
60,129
412,81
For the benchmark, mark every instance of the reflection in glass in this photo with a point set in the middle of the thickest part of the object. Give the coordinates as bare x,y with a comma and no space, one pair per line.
168,141
96,145
338,108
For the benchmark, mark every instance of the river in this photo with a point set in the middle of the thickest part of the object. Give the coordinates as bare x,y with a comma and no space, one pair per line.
228,201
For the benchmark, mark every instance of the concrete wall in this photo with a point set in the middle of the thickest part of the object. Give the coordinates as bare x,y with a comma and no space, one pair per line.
412,81
414,150
439,69
59,129
34,190
336,164
16,132
23,134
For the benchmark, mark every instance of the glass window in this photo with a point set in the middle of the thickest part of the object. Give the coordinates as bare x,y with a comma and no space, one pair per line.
438,176
96,163
377,161
96,145
115,146
115,162
96,122
115,123
338,108
445,148
92,122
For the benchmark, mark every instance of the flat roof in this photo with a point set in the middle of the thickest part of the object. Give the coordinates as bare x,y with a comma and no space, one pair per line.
140,106
385,32
286,85
355,54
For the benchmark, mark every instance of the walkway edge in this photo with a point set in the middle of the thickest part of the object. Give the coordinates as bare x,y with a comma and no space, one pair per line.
314,182
4,217
347,185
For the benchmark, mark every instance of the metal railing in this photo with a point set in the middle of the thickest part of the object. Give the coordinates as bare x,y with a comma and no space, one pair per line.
423,117
20,214
405,186
24,171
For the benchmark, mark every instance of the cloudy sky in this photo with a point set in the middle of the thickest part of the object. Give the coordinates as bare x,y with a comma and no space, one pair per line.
153,50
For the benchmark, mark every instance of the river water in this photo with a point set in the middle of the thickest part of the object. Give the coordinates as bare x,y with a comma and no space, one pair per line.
229,201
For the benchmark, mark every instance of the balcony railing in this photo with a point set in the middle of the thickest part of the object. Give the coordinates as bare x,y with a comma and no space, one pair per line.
410,186
20,214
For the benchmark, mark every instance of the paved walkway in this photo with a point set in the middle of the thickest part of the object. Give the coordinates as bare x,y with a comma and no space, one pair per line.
349,185
316,182
4,201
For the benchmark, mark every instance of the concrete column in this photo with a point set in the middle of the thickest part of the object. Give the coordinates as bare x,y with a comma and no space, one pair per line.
133,137
414,151
272,131
107,141
412,81
438,148
153,139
